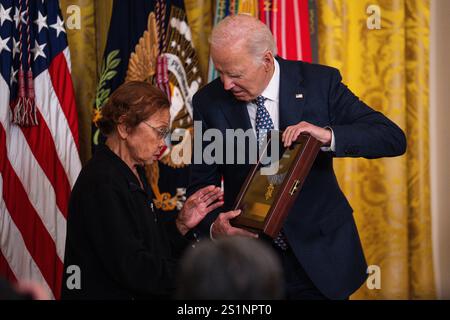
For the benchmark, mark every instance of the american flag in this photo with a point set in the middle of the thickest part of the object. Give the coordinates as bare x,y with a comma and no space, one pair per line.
39,159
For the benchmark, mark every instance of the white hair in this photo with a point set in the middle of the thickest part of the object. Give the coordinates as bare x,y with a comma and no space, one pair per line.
243,29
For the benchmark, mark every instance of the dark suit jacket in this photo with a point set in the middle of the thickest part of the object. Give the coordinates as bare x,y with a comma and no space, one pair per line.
124,250
320,227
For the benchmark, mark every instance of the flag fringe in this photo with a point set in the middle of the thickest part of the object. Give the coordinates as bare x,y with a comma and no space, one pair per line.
24,110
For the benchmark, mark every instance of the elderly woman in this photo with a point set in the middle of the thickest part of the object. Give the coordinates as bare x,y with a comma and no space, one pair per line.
119,246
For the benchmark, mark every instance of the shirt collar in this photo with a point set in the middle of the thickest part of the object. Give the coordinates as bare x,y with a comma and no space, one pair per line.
272,90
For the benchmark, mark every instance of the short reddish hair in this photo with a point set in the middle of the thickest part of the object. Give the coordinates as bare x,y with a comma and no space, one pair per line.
132,102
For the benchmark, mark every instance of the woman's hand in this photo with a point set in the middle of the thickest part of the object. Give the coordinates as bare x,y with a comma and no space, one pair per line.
197,206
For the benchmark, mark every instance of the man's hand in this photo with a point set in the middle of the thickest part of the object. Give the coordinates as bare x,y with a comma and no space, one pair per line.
292,132
222,227
197,206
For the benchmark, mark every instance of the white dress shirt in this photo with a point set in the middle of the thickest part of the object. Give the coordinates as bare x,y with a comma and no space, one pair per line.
272,95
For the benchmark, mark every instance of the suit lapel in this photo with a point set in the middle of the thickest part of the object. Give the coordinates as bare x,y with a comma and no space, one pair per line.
292,94
292,102
236,113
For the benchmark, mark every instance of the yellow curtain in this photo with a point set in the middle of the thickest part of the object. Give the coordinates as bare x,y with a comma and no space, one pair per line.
200,17
103,11
81,38
388,69
87,24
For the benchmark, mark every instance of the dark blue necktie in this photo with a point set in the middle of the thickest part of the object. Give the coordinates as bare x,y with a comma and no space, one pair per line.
264,123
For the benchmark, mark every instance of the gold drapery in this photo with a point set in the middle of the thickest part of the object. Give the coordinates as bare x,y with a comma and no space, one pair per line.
388,69
200,16
86,45
82,45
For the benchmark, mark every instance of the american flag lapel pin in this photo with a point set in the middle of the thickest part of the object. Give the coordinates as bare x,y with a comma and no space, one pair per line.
299,96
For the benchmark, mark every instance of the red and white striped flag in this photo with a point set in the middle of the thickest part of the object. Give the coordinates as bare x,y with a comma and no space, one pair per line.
39,159
289,22
287,19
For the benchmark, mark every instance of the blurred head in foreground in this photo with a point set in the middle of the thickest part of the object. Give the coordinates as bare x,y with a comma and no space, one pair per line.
230,268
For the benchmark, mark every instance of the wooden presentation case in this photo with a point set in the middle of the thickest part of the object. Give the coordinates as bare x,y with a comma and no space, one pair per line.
265,200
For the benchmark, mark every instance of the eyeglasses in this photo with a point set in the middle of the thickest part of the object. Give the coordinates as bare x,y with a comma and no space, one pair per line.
162,132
